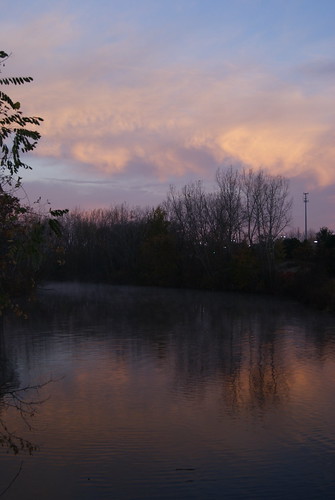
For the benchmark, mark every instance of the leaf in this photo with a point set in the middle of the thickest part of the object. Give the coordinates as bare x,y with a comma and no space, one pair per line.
58,213
55,226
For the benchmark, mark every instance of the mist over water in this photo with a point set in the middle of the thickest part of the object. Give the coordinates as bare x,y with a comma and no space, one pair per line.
160,393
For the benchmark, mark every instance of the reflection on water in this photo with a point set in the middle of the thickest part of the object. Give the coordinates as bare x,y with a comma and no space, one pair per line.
174,394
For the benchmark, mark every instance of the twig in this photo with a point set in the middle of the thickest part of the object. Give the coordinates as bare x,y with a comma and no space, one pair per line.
12,481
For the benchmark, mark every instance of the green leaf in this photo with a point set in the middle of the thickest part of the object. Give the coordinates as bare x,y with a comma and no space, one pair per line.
55,226
58,213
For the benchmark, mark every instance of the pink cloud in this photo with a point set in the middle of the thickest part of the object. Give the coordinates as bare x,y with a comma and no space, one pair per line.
118,106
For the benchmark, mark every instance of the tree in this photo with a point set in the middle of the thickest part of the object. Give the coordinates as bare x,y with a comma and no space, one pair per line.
189,212
21,229
228,206
267,206
248,208
325,250
158,252
267,212
16,136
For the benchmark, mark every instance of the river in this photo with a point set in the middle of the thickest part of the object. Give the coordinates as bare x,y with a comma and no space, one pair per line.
149,393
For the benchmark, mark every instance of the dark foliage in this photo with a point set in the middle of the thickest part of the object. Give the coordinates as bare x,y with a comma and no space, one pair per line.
24,233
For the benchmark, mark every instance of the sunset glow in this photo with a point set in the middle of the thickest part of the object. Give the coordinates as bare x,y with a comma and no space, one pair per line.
140,96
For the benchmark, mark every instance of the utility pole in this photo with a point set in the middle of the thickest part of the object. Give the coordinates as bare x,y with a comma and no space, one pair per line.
306,200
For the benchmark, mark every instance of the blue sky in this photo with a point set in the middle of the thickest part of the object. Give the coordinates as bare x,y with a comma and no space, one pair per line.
137,95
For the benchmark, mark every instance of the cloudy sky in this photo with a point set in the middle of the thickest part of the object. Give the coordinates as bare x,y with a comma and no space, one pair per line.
140,94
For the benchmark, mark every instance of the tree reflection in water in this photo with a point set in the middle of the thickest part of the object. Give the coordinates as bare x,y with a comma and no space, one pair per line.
250,347
27,408
239,388
21,400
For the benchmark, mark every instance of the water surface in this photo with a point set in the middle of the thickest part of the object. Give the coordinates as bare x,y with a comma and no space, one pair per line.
169,394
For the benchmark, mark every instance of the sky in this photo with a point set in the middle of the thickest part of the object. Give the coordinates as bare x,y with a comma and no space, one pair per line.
137,95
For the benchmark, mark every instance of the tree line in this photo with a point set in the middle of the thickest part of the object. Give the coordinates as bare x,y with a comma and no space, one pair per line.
231,238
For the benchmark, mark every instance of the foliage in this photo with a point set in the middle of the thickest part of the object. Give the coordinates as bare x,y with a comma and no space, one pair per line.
325,250
194,239
245,269
158,251
291,247
16,136
22,231
101,245
190,241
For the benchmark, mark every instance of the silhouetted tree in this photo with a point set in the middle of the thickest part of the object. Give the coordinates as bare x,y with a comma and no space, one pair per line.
20,228
159,262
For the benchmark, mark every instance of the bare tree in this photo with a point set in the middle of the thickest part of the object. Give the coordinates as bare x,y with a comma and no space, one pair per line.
189,210
277,207
267,206
227,206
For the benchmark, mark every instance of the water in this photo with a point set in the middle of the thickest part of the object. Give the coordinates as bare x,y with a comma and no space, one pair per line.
165,394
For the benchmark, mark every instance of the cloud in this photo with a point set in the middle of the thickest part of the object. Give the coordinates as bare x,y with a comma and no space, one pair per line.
166,124
120,102
173,117
320,68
